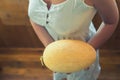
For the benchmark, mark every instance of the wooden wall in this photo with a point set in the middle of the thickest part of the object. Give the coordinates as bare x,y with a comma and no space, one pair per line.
16,31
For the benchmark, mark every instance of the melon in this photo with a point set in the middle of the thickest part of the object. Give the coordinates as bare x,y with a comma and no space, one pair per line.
68,56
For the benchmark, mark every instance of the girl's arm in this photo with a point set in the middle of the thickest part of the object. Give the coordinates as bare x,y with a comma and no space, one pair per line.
42,34
109,13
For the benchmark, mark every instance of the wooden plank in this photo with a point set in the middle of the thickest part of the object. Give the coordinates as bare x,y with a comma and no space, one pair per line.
21,64
28,72
25,74
19,36
21,56
110,60
11,12
27,50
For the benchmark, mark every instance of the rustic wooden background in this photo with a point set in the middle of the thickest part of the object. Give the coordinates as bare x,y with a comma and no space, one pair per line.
24,64
16,31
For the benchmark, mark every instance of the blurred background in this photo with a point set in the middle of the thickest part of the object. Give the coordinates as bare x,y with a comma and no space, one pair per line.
20,48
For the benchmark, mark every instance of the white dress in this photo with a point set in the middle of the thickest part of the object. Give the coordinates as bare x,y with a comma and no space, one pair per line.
71,19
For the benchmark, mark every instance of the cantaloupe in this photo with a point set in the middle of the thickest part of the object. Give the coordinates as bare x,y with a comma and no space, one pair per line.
68,56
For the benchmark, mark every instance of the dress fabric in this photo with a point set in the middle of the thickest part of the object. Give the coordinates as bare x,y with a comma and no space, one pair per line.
71,19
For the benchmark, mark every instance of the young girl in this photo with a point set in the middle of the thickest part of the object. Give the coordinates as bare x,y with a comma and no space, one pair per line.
72,19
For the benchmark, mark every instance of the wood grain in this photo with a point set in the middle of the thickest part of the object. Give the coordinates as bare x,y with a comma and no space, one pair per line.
24,64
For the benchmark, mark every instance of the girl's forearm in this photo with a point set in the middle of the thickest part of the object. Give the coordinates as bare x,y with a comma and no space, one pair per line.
109,13
42,34
103,34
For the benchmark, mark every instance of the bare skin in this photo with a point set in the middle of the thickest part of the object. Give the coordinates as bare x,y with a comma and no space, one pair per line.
42,34
108,11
